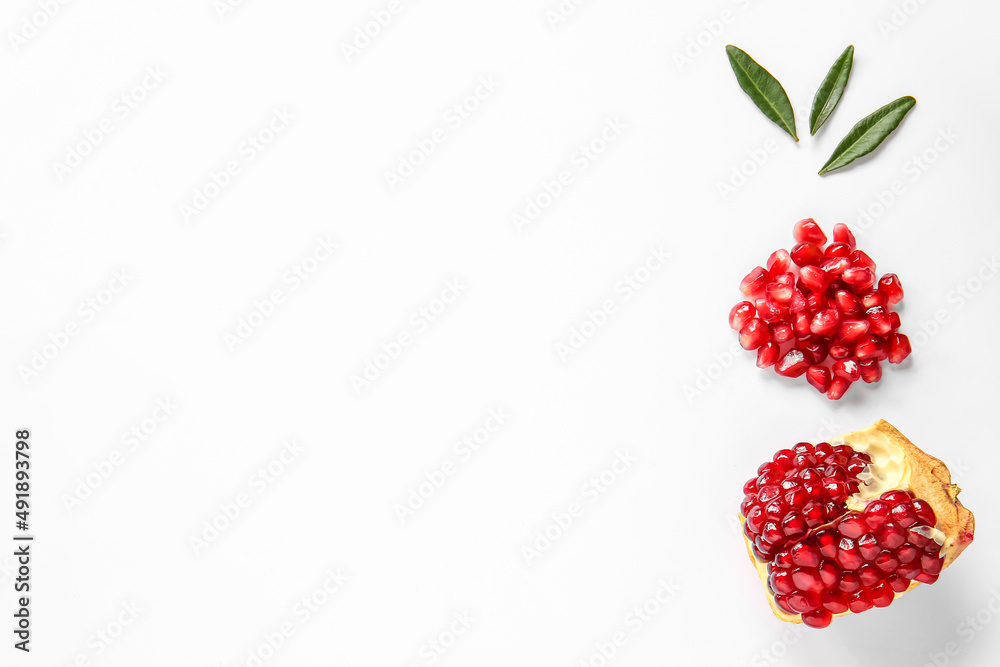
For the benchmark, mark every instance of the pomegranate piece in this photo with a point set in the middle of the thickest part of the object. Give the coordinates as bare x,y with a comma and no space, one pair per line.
868,548
821,307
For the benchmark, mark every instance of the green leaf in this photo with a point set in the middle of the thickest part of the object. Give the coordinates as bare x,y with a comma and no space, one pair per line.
763,89
868,134
831,90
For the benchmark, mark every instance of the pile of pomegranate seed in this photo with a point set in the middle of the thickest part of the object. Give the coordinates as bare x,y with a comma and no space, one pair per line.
822,559
819,311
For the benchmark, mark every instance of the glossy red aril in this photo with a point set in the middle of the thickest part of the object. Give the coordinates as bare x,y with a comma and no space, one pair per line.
807,231
793,364
842,234
805,254
890,286
753,334
899,348
741,314
767,354
822,308
754,282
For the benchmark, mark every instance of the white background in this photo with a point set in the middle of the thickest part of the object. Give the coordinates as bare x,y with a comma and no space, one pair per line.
669,517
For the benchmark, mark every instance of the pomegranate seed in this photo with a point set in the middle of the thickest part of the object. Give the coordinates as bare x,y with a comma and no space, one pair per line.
931,564
780,581
825,322
890,286
807,579
740,313
782,601
827,542
894,322
869,547
781,332
853,526
879,320
834,602
815,278
781,294
813,348
842,234
903,515
807,231
897,583
852,330
860,259
754,282
869,575
871,370
871,347
882,594
860,601
849,582
792,365
815,302
840,351
847,369
837,249
891,536
899,348
838,387
801,324
803,602
847,303
817,618
753,334
926,578
924,512
804,554
859,279
806,254
778,262
876,514
873,300
848,555
886,562
798,303
819,377
835,266
769,311
896,497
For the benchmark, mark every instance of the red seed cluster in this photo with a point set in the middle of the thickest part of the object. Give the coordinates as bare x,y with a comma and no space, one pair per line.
859,561
799,490
819,311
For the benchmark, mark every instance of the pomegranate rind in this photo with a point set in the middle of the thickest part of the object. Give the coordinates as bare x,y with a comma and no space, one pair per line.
929,480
